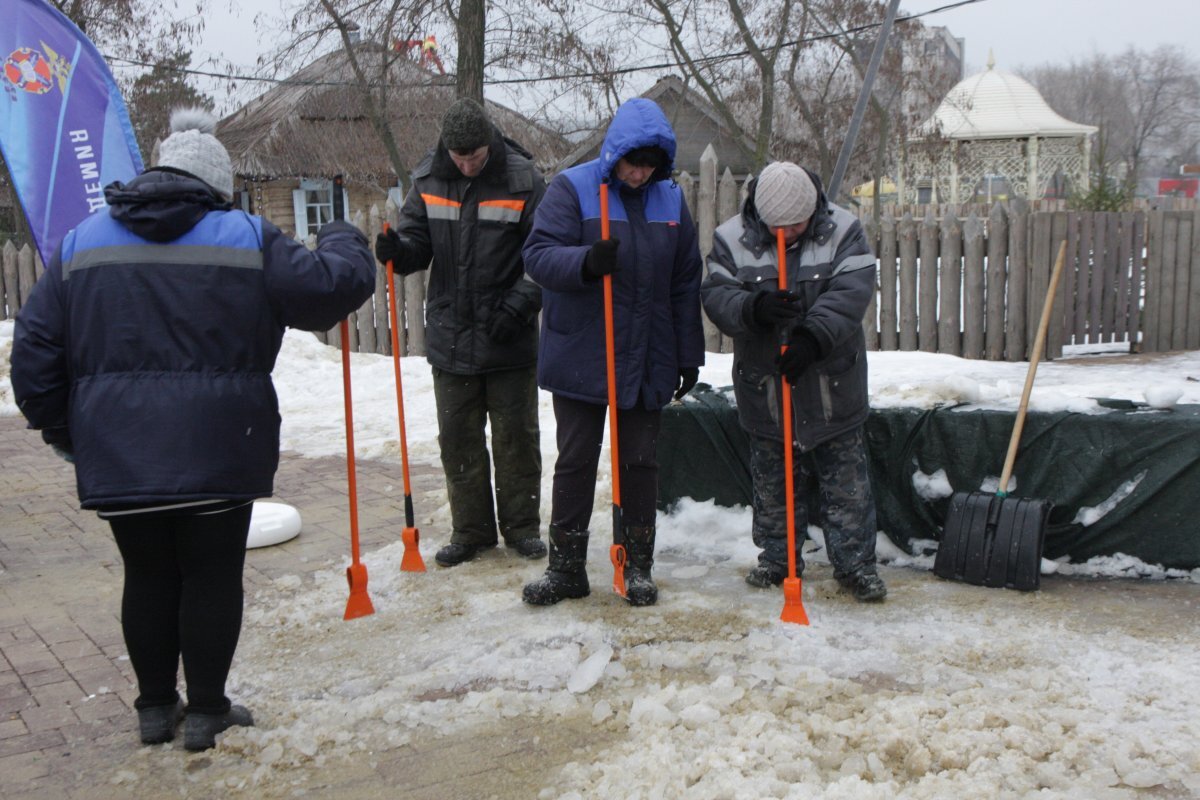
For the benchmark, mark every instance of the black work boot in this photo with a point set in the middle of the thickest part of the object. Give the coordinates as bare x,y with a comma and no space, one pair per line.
566,573
639,558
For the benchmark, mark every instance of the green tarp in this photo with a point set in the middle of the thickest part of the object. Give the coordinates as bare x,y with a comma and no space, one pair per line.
1144,463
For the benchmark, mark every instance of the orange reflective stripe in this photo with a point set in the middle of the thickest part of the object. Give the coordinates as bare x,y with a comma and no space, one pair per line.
434,200
515,205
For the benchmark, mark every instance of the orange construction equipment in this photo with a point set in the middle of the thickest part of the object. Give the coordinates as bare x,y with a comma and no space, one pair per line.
617,551
793,606
411,561
359,604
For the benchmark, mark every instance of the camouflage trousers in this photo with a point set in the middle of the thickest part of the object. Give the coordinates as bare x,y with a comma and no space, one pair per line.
837,470
466,404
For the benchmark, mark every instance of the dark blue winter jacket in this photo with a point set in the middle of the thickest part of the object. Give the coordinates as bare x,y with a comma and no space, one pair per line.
148,343
656,290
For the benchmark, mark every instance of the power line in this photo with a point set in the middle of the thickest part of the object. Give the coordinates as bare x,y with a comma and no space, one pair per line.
707,60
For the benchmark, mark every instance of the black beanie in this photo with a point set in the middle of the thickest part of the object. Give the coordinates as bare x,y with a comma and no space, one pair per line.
465,126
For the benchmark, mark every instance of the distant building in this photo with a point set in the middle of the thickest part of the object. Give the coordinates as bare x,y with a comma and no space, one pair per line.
932,59
288,143
696,124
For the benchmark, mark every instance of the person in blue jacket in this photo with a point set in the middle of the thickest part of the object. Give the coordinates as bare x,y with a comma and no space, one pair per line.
144,353
653,258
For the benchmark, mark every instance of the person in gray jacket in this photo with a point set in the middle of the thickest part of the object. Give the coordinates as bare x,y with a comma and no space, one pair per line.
830,279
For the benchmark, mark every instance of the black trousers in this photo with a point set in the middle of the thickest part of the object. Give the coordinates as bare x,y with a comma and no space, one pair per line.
580,437
183,597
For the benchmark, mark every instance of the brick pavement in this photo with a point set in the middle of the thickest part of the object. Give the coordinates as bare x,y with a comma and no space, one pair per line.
66,685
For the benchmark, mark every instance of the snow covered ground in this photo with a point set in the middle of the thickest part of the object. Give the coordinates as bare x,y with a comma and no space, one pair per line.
1083,690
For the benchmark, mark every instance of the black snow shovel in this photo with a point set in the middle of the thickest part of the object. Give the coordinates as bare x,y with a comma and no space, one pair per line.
992,539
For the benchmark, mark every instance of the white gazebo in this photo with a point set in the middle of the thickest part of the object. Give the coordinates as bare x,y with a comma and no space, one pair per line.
994,126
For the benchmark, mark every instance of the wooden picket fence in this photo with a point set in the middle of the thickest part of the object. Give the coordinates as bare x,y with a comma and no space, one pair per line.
981,283
19,271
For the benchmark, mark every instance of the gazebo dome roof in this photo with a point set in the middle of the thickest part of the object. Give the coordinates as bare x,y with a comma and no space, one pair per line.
994,104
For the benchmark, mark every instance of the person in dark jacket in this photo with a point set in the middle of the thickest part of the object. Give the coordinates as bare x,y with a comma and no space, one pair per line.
470,208
653,258
145,354
830,279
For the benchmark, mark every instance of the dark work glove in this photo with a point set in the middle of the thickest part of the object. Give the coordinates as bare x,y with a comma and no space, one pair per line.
388,247
776,308
802,352
504,327
59,440
687,380
601,259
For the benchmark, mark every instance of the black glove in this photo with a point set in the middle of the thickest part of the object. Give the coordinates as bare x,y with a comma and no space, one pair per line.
776,308
389,247
687,380
601,259
802,352
504,326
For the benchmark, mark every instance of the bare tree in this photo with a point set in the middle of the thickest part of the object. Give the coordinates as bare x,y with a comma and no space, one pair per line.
470,22
1146,105
136,27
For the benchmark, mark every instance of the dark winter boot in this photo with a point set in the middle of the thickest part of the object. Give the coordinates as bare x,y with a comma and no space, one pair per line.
566,573
200,730
639,558
866,586
157,724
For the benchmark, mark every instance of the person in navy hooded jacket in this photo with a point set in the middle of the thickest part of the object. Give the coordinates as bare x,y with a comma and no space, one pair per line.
144,354
653,258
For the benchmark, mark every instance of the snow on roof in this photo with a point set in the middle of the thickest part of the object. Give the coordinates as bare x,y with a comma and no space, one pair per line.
994,104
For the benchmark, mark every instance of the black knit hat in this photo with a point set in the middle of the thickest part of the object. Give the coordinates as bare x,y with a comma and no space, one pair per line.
465,126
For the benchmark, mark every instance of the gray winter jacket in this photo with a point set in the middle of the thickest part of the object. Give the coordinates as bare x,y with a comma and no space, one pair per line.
833,270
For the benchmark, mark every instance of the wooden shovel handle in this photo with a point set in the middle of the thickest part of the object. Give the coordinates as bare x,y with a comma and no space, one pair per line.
1039,344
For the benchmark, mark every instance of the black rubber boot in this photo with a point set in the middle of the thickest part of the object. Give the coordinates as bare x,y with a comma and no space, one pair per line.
566,574
639,559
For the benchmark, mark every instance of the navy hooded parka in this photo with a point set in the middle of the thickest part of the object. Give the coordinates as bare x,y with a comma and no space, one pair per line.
656,304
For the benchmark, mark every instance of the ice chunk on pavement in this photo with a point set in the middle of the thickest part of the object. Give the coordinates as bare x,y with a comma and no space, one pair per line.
589,670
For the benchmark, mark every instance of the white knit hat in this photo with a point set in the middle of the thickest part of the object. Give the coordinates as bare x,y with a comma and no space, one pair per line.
784,195
192,148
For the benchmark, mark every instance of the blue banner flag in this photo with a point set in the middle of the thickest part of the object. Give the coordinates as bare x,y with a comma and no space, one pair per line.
64,130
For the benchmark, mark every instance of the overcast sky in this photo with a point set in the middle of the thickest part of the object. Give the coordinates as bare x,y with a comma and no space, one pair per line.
1020,32
1030,32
